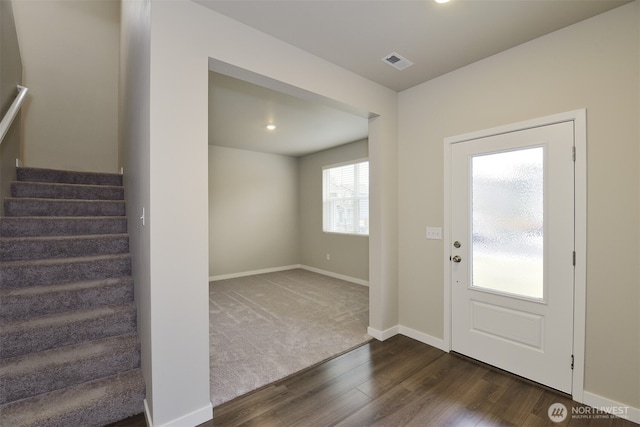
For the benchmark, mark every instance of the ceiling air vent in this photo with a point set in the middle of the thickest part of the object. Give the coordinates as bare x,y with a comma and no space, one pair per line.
397,61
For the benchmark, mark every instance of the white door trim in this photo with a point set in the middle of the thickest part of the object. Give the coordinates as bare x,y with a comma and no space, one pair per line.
579,119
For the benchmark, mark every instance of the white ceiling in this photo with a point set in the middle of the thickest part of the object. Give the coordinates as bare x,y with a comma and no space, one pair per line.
356,34
240,111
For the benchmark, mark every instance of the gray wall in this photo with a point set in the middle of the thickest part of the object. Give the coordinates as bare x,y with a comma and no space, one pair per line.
265,211
70,52
349,255
10,77
593,65
135,100
253,211
164,116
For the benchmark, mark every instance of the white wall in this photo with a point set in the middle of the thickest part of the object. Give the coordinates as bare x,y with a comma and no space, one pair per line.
349,255
592,65
253,211
135,100
70,52
184,36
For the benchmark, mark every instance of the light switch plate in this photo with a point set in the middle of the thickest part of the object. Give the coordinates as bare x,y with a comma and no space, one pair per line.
434,233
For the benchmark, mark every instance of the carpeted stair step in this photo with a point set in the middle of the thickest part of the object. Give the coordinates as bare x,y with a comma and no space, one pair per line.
69,352
62,207
16,274
45,190
59,226
42,333
21,303
22,377
22,248
68,177
94,403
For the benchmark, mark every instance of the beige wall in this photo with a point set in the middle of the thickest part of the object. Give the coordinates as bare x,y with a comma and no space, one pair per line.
592,65
70,52
173,160
10,77
134,98
253,211
265,211
349,255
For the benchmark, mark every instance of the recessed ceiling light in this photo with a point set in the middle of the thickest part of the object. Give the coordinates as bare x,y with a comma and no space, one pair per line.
442,1
271,126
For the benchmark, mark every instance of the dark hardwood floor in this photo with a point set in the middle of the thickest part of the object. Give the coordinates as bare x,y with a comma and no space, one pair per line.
400,382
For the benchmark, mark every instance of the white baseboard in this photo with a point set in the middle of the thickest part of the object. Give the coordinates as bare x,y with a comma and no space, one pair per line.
383,335
147,414
423,338
609,406
194,418
290,267
335,275
253,273
407,332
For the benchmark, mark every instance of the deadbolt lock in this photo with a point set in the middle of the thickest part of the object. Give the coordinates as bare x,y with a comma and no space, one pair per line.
456,244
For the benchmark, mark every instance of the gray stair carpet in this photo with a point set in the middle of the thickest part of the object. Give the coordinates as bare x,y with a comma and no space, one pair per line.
69,350
66,191
61,226
27,206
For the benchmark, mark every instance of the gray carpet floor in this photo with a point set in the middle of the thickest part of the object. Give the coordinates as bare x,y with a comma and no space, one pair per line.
266,327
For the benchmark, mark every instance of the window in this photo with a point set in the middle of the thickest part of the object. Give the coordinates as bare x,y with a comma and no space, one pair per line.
345,200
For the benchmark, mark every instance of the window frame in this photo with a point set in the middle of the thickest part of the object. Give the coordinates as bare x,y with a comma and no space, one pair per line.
357,200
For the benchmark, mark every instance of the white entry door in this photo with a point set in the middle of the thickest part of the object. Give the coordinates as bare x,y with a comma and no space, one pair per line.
512,252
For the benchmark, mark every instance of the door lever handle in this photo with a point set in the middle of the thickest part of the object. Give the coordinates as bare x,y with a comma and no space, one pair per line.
456,258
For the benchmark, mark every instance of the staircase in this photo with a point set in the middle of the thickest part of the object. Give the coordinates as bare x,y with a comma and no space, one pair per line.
69,352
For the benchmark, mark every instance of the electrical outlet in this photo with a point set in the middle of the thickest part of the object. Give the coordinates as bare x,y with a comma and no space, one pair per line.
328,257
434,233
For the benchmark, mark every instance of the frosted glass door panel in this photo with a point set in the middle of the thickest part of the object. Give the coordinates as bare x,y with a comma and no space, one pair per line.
507,222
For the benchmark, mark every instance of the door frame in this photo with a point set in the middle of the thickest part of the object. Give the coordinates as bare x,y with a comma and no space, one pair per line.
579,119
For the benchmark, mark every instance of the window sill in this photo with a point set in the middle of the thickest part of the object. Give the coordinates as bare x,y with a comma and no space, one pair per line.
345,234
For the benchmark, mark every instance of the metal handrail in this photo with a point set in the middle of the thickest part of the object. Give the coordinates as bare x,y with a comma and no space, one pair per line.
12,112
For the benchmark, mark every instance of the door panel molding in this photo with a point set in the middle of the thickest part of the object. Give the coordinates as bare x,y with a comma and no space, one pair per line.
510,325
578,118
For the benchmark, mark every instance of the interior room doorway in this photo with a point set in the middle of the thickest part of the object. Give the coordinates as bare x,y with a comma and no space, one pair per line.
239,138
